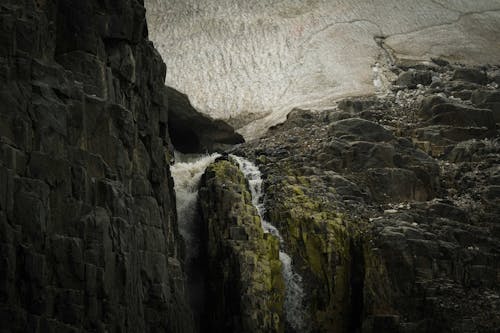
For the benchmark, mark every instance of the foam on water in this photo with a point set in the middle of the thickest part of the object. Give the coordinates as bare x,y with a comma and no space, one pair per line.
187,172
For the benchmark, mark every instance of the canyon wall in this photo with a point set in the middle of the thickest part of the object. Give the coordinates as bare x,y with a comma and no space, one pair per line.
247,60
88,230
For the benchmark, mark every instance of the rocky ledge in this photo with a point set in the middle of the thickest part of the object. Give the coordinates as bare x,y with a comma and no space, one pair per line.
389,204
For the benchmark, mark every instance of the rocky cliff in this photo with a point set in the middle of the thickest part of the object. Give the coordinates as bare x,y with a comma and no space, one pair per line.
88,230
389,205
245,290
382,210
193,132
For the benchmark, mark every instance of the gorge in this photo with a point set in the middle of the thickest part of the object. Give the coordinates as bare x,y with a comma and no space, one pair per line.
297,166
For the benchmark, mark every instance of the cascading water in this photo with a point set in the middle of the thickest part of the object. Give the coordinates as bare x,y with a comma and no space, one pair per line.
294,293
187,172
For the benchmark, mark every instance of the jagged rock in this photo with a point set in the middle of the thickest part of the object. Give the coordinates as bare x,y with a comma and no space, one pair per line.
412,78
488,99
193,132
245,288
461,116
470,75
356,200
310,52
88,232
428,103
298,117
496,77
356,129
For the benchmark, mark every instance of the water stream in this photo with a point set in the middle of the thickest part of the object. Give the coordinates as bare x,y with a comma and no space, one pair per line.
187,172
294,293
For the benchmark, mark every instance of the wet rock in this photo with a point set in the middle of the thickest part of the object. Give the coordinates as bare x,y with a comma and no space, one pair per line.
245,287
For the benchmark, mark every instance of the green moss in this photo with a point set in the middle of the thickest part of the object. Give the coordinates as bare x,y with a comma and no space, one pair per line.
316,232
258,279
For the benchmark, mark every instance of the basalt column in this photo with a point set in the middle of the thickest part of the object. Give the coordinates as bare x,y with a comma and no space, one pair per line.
88,234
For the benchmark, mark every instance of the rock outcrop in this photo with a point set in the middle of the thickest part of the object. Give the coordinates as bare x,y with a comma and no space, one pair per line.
88,233
245,288
389,205
194,132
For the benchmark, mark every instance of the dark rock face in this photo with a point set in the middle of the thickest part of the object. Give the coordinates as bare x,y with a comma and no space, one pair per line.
470,75
193,132
412,78
389,206
245,288
88,232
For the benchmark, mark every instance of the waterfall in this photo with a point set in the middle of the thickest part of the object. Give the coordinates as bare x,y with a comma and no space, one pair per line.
187,172
294,293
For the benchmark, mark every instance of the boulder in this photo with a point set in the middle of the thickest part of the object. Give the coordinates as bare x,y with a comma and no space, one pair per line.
428,103
412,78
488,99
470,75
461,116
356,129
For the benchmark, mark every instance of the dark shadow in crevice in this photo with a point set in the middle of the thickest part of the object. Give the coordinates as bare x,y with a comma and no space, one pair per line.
357,281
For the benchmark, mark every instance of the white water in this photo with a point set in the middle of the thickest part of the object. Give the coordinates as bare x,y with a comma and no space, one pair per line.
187,172
294,293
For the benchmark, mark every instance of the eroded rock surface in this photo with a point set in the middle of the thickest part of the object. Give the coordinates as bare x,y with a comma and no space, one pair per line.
390,205
245,288
88,233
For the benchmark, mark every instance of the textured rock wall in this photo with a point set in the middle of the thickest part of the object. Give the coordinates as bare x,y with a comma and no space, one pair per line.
88,231
245,288
242,60
389,206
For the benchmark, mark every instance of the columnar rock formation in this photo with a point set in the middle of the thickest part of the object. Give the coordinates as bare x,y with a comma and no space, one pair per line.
245,290
88,232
